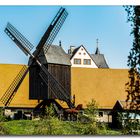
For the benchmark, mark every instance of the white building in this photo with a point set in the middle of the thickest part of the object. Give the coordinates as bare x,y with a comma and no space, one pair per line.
81,58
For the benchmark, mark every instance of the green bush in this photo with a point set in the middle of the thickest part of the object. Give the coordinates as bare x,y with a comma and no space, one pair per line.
2,117
3,130
129,126
91,109
53,126
86,124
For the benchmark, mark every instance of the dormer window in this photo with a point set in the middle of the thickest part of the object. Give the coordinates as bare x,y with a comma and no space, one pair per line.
87,62
77,61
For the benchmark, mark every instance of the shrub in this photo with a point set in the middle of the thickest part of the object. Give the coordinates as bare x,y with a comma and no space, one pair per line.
91,109
85,125
2,117
129,126
3,130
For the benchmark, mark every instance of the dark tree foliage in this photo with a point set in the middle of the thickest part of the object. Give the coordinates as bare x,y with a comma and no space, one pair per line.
133,86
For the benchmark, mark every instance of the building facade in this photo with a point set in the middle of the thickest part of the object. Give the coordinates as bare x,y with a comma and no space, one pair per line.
80,57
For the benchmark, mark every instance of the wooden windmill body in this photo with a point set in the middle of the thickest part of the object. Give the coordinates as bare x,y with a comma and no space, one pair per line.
58,64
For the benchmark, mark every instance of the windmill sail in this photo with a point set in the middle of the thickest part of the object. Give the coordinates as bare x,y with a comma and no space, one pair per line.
47,39
11,91
52,30
18,38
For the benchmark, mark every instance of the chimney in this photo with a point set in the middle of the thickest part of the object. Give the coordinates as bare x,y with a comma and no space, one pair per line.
70,51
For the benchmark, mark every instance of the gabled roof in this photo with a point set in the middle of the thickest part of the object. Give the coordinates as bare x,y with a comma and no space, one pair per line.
76,50
54,55
98,58
126,105
100,61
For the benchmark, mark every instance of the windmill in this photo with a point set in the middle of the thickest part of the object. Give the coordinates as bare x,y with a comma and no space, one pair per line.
57,89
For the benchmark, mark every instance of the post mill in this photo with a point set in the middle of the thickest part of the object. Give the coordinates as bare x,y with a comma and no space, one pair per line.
49,68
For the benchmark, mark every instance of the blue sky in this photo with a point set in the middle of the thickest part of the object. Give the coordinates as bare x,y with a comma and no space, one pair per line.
83,26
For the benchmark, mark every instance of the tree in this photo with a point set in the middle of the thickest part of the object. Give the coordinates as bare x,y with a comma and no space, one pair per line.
134,57
133,86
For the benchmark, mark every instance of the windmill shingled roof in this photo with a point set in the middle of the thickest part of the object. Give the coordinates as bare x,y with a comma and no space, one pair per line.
55,55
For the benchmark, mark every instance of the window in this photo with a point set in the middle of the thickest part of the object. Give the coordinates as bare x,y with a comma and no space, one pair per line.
87,62
101,114
84,53
77,61
79,53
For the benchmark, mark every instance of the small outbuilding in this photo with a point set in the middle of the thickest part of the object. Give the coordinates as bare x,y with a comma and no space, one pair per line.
122,111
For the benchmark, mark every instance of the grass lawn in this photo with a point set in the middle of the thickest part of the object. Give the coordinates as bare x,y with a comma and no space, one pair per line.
52,127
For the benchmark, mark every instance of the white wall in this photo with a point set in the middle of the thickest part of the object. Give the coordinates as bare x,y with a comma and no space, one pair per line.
106,116
82,57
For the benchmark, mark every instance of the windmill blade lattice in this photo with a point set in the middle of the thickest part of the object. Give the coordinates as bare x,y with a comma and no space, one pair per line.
18,38
52,31
55,30
11,91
